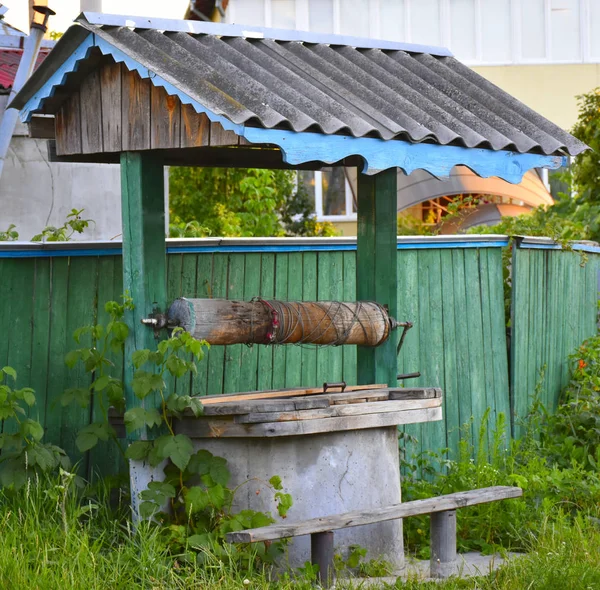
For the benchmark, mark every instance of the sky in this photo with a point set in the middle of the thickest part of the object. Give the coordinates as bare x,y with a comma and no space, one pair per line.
67,10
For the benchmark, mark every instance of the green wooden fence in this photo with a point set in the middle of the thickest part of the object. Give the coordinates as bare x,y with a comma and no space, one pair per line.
451,290
554,308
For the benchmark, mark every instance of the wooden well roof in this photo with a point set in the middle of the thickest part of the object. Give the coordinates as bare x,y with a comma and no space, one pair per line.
270,87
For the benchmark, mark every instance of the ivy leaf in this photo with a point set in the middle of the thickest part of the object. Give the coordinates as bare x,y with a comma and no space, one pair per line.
179,449
42,456
120,330
101,383
89,436
135,419
28,396
196,500
139,357
10,372
32,428
284,503
275,481
138,450
196,406
76,394
219,471
72,358
176,366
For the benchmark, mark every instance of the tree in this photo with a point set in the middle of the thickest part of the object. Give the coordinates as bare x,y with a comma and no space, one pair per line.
239,202
582,206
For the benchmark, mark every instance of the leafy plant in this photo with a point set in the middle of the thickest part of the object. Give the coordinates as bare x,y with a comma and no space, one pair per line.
573,432
10,234
191,229
74,223
23,454
240,202
105,387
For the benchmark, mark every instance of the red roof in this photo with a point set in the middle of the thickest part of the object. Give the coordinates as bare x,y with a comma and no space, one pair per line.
9,62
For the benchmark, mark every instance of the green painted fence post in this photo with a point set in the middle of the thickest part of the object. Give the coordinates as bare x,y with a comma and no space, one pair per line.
144,258
376,268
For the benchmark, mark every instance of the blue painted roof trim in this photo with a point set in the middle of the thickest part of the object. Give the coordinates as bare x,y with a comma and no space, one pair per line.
379,154
299,148
195,249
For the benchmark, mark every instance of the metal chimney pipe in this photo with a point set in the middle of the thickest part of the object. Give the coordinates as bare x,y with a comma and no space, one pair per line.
31,48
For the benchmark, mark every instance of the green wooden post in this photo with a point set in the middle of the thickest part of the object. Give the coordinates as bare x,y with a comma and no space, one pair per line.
144,257
376,268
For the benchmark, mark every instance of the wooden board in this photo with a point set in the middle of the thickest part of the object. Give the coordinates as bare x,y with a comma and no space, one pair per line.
265,405
339,410
227,428
277,393
362,517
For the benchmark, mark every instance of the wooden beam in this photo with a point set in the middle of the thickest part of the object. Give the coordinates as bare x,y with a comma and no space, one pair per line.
144,257
42,128
227,428
362,517
376,268
277,393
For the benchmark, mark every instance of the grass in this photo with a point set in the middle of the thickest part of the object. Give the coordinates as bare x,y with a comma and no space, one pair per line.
55,538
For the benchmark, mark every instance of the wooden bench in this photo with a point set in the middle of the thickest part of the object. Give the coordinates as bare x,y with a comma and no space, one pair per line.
443,528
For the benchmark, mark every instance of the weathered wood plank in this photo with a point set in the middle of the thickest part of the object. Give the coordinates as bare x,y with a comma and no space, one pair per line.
410,356
59,343
293,357
416,393
265,353
144,258
110,80
200,428
68,127
40,336
339,410
194,128
349,294
203,276
90,96
249,355
278,393
216,354
221,137
165,119
362,517
135,105
376,267
281,293
274,405
309,293
233,354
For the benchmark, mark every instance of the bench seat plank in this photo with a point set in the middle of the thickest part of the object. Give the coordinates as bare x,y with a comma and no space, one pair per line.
362,517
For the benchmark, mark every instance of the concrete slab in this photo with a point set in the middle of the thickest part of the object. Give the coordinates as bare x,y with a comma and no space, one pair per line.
467,565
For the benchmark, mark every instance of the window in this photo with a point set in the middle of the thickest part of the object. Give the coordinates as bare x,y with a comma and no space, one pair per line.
332,193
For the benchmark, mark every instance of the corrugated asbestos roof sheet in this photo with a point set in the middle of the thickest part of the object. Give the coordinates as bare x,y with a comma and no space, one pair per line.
339,89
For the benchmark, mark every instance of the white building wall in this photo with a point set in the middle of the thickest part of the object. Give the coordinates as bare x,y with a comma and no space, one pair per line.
35,193
479,32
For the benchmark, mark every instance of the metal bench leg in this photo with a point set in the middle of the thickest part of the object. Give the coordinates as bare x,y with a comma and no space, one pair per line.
321,550
443,544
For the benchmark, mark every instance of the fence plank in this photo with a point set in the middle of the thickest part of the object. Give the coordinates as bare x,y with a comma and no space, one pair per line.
454,296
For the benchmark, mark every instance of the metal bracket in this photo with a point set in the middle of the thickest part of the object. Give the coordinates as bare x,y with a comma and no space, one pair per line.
406,326
157,321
